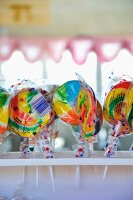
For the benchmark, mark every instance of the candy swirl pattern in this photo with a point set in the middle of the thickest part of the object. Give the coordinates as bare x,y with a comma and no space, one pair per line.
114,106
76,105
4,110
65,102
23,119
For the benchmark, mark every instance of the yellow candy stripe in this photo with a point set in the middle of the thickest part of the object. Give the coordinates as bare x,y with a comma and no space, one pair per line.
61,108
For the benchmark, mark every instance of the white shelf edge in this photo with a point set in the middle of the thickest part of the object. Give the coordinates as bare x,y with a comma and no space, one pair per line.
97,158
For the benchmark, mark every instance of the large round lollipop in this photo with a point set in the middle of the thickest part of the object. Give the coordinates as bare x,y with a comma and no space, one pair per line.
76,105
118,104
4,114
4,110
86,106
127,110
118,113
65,102
27,113
90,111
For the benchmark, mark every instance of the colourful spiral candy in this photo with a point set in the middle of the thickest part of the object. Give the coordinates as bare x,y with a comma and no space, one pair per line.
114,102
4,110
87,112
76,105
23,119
65,102
128,105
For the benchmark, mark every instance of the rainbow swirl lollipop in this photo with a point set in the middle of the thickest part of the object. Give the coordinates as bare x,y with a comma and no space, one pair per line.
128,105
23,119
76,105
118,113
4,110
87,112
99,117
114,102
65,102
117,108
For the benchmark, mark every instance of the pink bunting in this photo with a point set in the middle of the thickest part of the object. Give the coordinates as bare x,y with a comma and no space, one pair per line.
80,47
35,49
55,48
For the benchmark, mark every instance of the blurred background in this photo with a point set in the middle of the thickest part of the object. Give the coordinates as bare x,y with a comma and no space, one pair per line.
47,41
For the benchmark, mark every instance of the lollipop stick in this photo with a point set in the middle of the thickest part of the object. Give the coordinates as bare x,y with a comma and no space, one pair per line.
105,172
131,147
23,174
91,146
37,176
53,136
52,143
52,178
1,145
77,177
86,149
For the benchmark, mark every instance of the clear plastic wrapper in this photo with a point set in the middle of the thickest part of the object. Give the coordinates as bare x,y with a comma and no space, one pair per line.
65,102
90,110
75,104
45,142
42,144
4,110
29,113
111,147
118,108
4,115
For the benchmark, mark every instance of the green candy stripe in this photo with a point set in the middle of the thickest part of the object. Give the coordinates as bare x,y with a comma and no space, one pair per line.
31,94
114,103
3,99
82,101
87,135
61,96
23,128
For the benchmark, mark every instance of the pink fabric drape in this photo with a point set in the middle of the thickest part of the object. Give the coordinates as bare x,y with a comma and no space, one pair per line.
32,49
7,46
80,47
107,50
55,48
128,45
35,49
